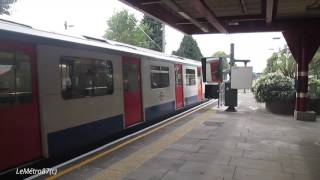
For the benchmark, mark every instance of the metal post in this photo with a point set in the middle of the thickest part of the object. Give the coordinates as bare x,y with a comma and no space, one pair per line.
232,62
163,37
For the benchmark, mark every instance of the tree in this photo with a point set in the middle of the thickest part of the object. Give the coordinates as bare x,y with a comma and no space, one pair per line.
271,64
188,49
224,60
154,30
123,27
287,64
314,65
283,62
5,6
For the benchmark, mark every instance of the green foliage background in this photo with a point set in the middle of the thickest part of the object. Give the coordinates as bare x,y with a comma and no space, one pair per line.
154,29
5,6
283,62
124,27
224,56
189,49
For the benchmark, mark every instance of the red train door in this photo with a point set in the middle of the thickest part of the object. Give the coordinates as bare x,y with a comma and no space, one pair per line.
19,117
179,85
200,94
132,91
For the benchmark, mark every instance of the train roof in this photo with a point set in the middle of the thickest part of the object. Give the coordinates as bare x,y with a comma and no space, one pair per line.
12,27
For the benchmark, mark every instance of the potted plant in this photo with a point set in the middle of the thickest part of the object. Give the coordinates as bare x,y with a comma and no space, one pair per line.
277,91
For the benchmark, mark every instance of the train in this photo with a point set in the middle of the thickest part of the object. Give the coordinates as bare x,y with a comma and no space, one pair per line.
59,93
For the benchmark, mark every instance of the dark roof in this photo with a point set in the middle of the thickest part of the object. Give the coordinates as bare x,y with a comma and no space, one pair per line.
232,16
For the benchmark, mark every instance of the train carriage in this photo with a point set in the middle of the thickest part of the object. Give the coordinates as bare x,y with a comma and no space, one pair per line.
60,93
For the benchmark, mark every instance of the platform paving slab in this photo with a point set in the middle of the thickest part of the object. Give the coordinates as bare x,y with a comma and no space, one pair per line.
251,144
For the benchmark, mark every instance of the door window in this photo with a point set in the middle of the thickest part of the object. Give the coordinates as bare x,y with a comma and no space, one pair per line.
190,77
178,74
130,81
15,78
199,72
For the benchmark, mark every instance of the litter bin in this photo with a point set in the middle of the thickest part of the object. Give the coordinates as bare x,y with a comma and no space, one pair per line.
231,95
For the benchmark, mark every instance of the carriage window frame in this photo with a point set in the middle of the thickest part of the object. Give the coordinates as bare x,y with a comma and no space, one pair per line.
190,77
93,67
159,76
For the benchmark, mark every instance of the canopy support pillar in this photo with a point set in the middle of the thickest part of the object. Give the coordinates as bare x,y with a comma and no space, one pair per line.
303,45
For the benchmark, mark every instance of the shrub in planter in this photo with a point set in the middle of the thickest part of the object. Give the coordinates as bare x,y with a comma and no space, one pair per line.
314,93
277,91
314,88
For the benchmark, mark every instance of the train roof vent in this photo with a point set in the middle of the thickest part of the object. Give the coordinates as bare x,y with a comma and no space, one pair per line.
96,39
15,23
127,46
177,57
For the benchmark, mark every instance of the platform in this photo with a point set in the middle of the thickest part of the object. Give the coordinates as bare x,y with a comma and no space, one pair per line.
215,145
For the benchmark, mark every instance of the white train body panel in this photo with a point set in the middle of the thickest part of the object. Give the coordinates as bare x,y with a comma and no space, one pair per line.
57,113
157,98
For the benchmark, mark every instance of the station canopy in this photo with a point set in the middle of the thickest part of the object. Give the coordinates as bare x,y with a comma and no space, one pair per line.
232,16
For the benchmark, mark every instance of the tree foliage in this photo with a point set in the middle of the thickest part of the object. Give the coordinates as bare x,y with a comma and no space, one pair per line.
188,49
5,6
314,87
314,65
283,62
123,27
271,64
154,30
224,56
287,64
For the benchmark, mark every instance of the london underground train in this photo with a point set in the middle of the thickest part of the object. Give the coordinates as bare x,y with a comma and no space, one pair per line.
60,93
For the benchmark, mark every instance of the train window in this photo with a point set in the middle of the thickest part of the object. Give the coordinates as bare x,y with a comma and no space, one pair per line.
103,80
82,77
190,77
159,77
15,78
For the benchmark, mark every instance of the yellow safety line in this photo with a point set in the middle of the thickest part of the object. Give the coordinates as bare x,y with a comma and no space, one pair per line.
84,162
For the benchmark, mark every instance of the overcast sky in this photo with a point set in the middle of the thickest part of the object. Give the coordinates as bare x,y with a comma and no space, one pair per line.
89,18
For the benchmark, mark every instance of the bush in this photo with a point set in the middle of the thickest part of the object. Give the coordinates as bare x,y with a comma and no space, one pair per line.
314,87
274,87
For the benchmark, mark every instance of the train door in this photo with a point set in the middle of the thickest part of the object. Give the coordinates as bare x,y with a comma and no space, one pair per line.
132,91
200,93
179,85
20,140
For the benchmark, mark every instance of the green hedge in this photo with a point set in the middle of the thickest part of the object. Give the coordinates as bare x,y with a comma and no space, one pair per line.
314,87
273,87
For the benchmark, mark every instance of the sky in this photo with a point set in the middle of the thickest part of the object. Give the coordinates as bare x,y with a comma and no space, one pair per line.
90,18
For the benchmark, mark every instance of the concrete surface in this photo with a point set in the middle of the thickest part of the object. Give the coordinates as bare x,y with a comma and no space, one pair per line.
251,144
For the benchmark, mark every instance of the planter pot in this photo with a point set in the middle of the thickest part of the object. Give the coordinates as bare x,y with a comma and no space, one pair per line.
280,107
314,105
